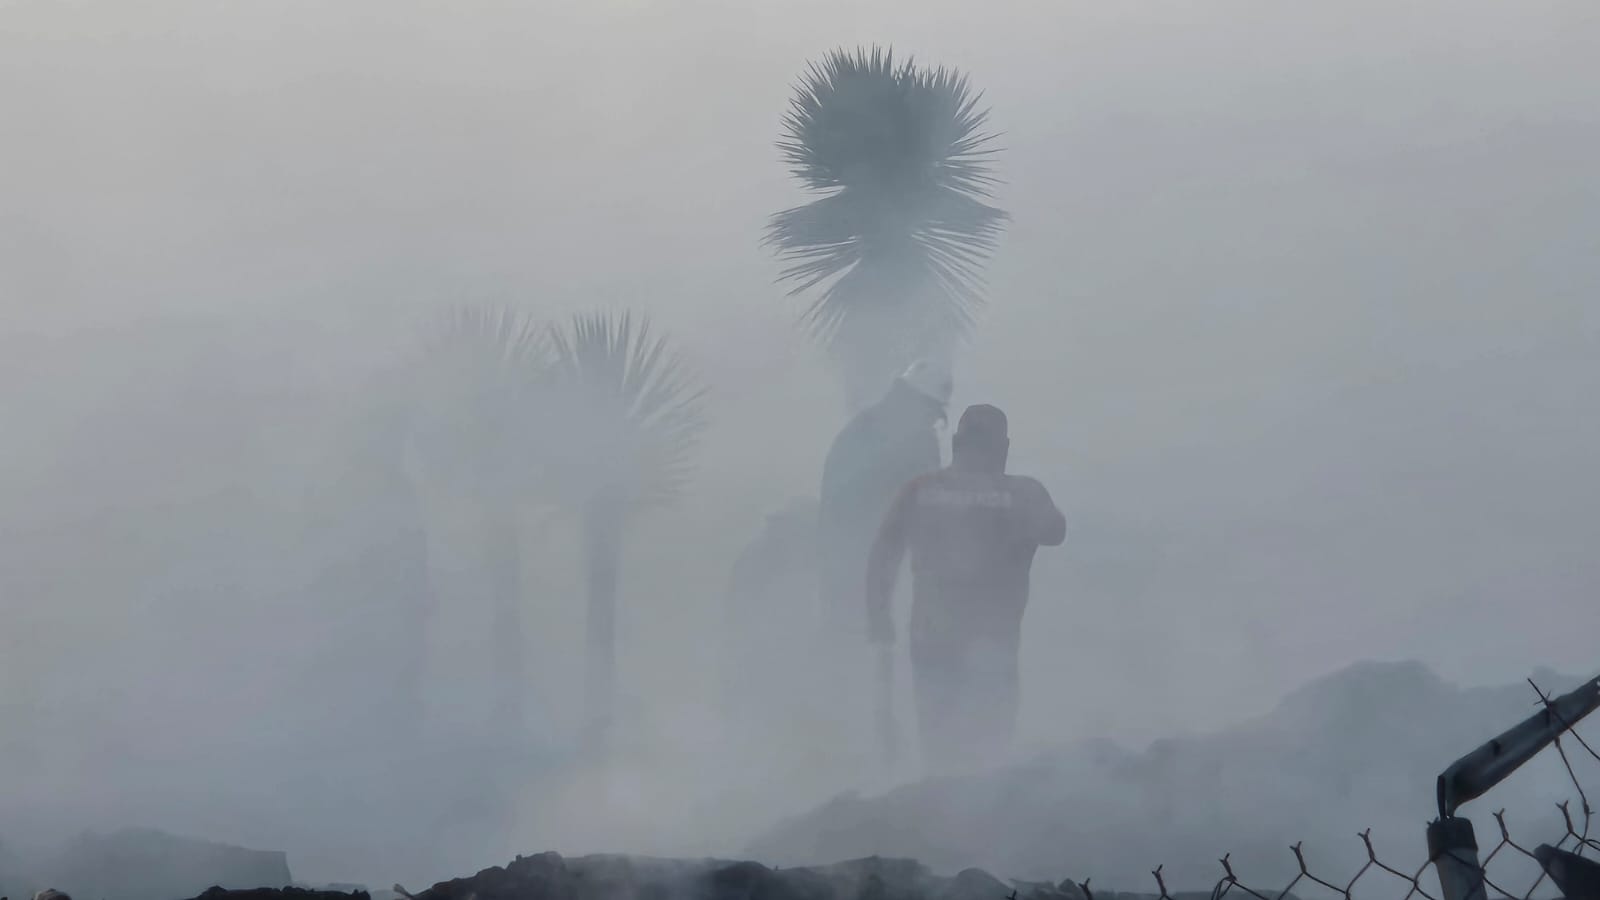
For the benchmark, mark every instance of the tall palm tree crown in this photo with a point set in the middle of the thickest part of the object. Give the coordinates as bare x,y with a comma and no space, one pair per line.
899,239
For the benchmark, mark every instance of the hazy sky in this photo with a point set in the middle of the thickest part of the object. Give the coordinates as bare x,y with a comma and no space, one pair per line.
1296,316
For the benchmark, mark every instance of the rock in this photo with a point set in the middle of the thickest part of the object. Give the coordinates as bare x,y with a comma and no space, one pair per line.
973,884
544,875
1071,890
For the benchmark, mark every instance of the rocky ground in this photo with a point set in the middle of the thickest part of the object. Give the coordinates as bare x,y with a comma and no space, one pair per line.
548,876
287,893
1359,749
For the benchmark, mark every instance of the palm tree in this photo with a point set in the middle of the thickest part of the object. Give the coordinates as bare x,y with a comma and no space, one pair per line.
472,437
624,416
898,240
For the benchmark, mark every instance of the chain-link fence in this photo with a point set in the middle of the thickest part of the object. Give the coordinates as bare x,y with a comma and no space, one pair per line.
1455,866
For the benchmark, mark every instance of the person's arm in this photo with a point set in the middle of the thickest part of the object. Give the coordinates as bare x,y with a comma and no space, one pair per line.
883,566
1046,525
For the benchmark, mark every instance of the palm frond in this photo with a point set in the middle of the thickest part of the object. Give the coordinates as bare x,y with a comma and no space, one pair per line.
859,119
944,247
474,397
491,333
626,412
903,230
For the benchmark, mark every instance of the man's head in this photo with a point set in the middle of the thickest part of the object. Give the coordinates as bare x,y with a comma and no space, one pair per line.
980,441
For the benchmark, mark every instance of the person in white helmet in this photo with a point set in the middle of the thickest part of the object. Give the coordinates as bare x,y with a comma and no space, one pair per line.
878,451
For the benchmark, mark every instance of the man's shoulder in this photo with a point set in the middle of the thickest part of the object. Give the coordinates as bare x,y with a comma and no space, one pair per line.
844,436
948,487
1028,488
1030,492
863,433
918,486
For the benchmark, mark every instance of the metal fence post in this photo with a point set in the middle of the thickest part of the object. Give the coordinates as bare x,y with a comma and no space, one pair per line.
1453,847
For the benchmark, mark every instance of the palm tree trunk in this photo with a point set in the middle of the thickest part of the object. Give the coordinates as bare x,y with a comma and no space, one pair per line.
602,546
415,590
505,593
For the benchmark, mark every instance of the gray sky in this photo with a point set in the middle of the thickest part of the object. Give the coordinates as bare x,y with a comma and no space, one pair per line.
1295,317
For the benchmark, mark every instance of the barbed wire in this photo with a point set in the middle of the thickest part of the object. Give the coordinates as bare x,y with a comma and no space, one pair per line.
1408,881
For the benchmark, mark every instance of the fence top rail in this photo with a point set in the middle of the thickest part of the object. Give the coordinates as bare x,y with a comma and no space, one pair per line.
1474,774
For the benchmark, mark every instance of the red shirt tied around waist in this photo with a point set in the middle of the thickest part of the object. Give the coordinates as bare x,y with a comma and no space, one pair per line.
971,531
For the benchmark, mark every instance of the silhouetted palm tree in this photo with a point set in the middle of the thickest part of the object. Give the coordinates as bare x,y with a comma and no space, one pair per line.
472,436
623,418
900,237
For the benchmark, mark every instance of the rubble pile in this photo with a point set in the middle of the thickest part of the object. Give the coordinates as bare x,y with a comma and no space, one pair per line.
1358,749
548,876
288,893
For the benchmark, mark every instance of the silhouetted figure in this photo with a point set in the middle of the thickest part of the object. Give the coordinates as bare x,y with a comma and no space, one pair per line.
972,531
885,445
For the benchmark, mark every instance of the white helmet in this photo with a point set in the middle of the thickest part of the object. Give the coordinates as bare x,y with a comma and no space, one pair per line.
930,379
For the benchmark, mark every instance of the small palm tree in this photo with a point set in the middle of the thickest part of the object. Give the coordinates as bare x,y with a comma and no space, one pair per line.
624,416
898,240
472,436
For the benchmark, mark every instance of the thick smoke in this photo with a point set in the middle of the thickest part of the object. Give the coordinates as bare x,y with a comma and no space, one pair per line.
1295,319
